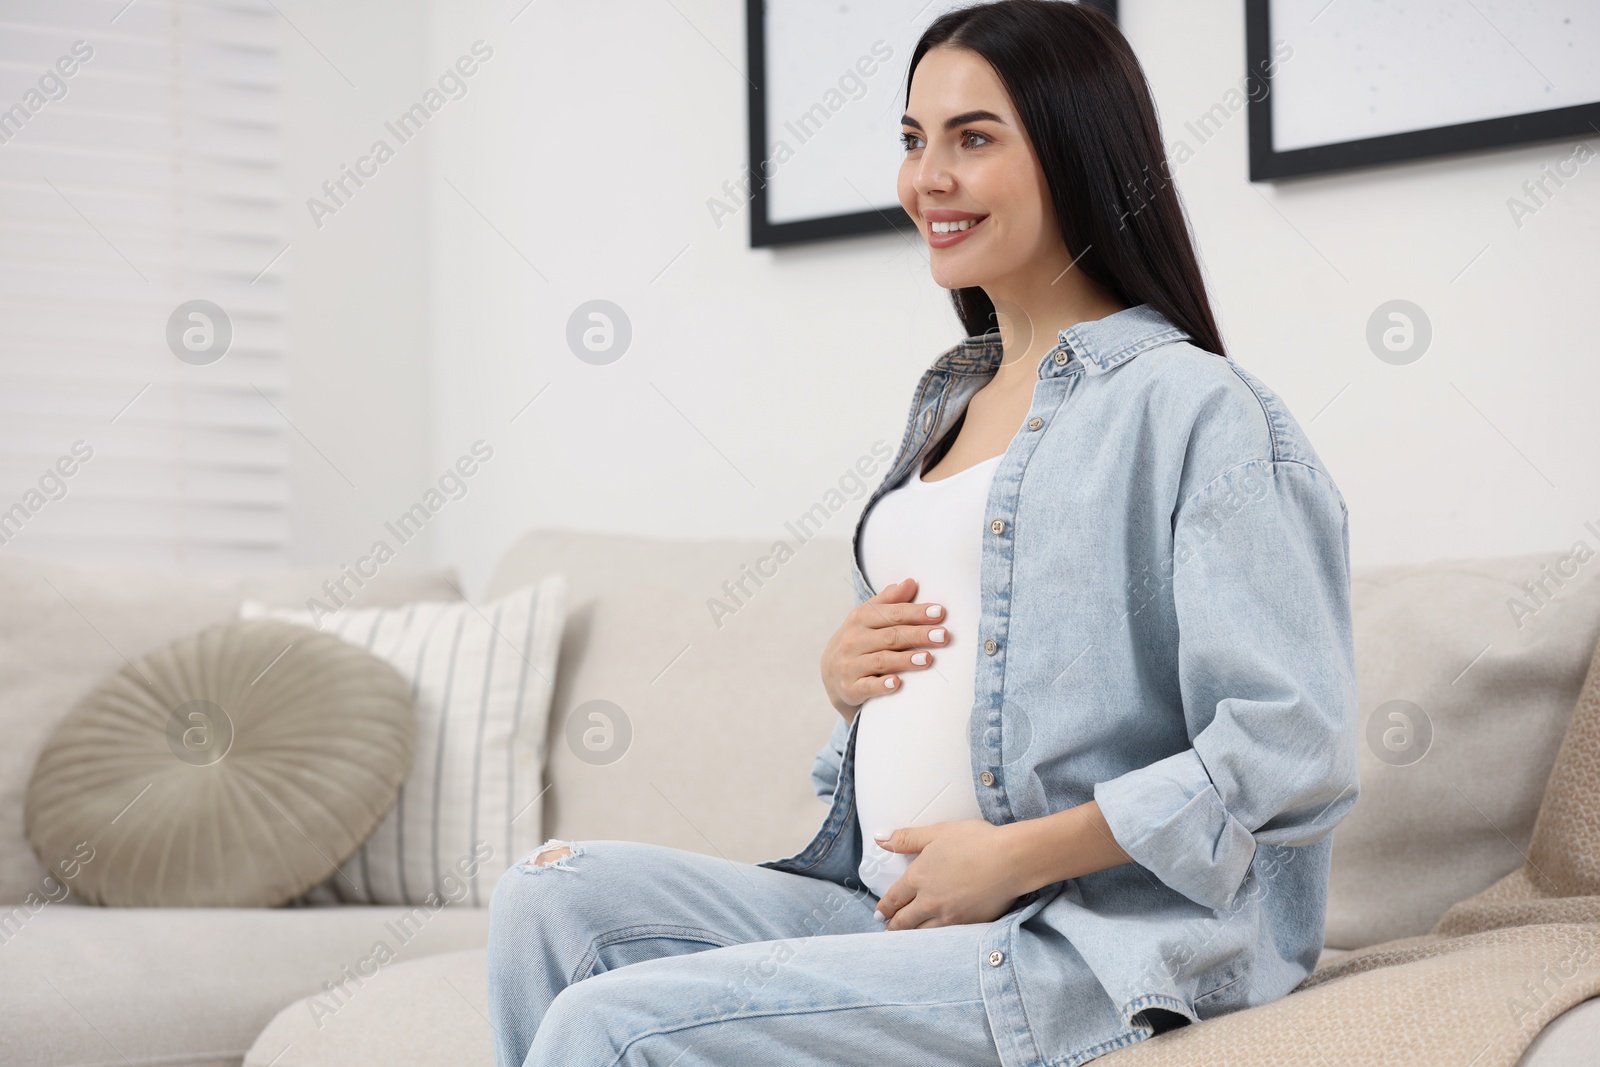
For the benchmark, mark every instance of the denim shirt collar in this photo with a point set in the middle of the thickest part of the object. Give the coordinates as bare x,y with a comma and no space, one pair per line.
1098,345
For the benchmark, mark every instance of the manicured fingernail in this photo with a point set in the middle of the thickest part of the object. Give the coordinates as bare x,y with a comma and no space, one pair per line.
882,835
888,683
934,611
936,634
919,658
877,915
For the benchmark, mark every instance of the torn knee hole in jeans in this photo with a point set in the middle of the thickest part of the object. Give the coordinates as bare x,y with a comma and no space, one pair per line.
552,855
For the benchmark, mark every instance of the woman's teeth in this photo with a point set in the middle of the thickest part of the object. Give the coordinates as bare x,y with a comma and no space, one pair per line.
955,227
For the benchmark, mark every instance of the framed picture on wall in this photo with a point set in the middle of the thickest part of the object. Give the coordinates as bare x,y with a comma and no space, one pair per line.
1365,82
827,85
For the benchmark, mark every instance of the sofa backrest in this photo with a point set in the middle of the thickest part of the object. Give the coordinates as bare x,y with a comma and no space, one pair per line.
1488,657
1468,671
726,707
710,649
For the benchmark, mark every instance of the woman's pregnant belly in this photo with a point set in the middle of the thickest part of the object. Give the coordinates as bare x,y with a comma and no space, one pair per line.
913,758
913,762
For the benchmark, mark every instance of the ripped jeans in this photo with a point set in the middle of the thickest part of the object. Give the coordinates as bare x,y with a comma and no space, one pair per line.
628,954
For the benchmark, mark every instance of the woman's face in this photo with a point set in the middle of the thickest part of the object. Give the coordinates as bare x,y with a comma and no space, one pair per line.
968,162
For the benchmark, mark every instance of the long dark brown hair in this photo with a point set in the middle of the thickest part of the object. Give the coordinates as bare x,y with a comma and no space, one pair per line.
1085,104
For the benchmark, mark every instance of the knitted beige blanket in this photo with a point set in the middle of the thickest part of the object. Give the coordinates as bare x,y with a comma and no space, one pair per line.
1477,989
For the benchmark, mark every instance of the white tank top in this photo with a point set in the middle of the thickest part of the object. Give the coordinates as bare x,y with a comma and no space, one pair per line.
913,758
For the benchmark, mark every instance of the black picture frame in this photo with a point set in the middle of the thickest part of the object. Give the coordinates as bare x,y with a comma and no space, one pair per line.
763,232
1266,164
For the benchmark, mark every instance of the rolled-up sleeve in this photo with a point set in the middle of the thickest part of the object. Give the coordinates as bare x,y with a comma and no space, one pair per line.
1266,662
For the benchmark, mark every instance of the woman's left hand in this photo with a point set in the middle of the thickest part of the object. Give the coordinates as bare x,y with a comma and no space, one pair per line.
964,874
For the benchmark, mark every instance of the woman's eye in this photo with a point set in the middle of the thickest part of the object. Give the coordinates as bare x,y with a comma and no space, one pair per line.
911,141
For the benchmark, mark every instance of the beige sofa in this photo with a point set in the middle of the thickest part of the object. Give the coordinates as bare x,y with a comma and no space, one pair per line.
725,717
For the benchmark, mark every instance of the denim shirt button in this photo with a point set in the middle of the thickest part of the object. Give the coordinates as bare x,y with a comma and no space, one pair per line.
998,526
991,646
1035,422
996,958
1061,358
987,778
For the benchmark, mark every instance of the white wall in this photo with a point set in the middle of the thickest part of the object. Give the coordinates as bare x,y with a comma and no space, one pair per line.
358,284
1478,448
581,162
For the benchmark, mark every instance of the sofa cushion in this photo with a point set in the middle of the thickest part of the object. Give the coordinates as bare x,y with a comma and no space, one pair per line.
431,1012
1468,672
688,702
234,767
193,987
67,628
473,801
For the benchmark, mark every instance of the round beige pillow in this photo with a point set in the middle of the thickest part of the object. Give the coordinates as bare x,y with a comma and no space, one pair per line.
236,767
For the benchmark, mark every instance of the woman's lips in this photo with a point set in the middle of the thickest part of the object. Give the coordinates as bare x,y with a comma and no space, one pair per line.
945,240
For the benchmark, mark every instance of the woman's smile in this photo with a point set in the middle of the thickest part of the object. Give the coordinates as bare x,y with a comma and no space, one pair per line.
947,227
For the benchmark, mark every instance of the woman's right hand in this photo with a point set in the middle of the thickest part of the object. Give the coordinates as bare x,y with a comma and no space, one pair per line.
880,637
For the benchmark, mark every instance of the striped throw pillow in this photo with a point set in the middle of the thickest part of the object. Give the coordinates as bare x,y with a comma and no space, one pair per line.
482,680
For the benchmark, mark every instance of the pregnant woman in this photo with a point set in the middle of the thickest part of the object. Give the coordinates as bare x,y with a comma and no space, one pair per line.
1097,707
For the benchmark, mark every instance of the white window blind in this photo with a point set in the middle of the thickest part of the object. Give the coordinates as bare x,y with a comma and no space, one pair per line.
149,177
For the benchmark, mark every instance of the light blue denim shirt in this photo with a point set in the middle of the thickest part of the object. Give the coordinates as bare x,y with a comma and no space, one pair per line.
1165,628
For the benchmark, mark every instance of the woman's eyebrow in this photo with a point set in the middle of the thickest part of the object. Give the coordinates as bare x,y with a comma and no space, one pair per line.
957,120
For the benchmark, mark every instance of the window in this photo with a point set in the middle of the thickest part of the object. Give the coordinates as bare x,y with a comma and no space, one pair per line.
140,170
